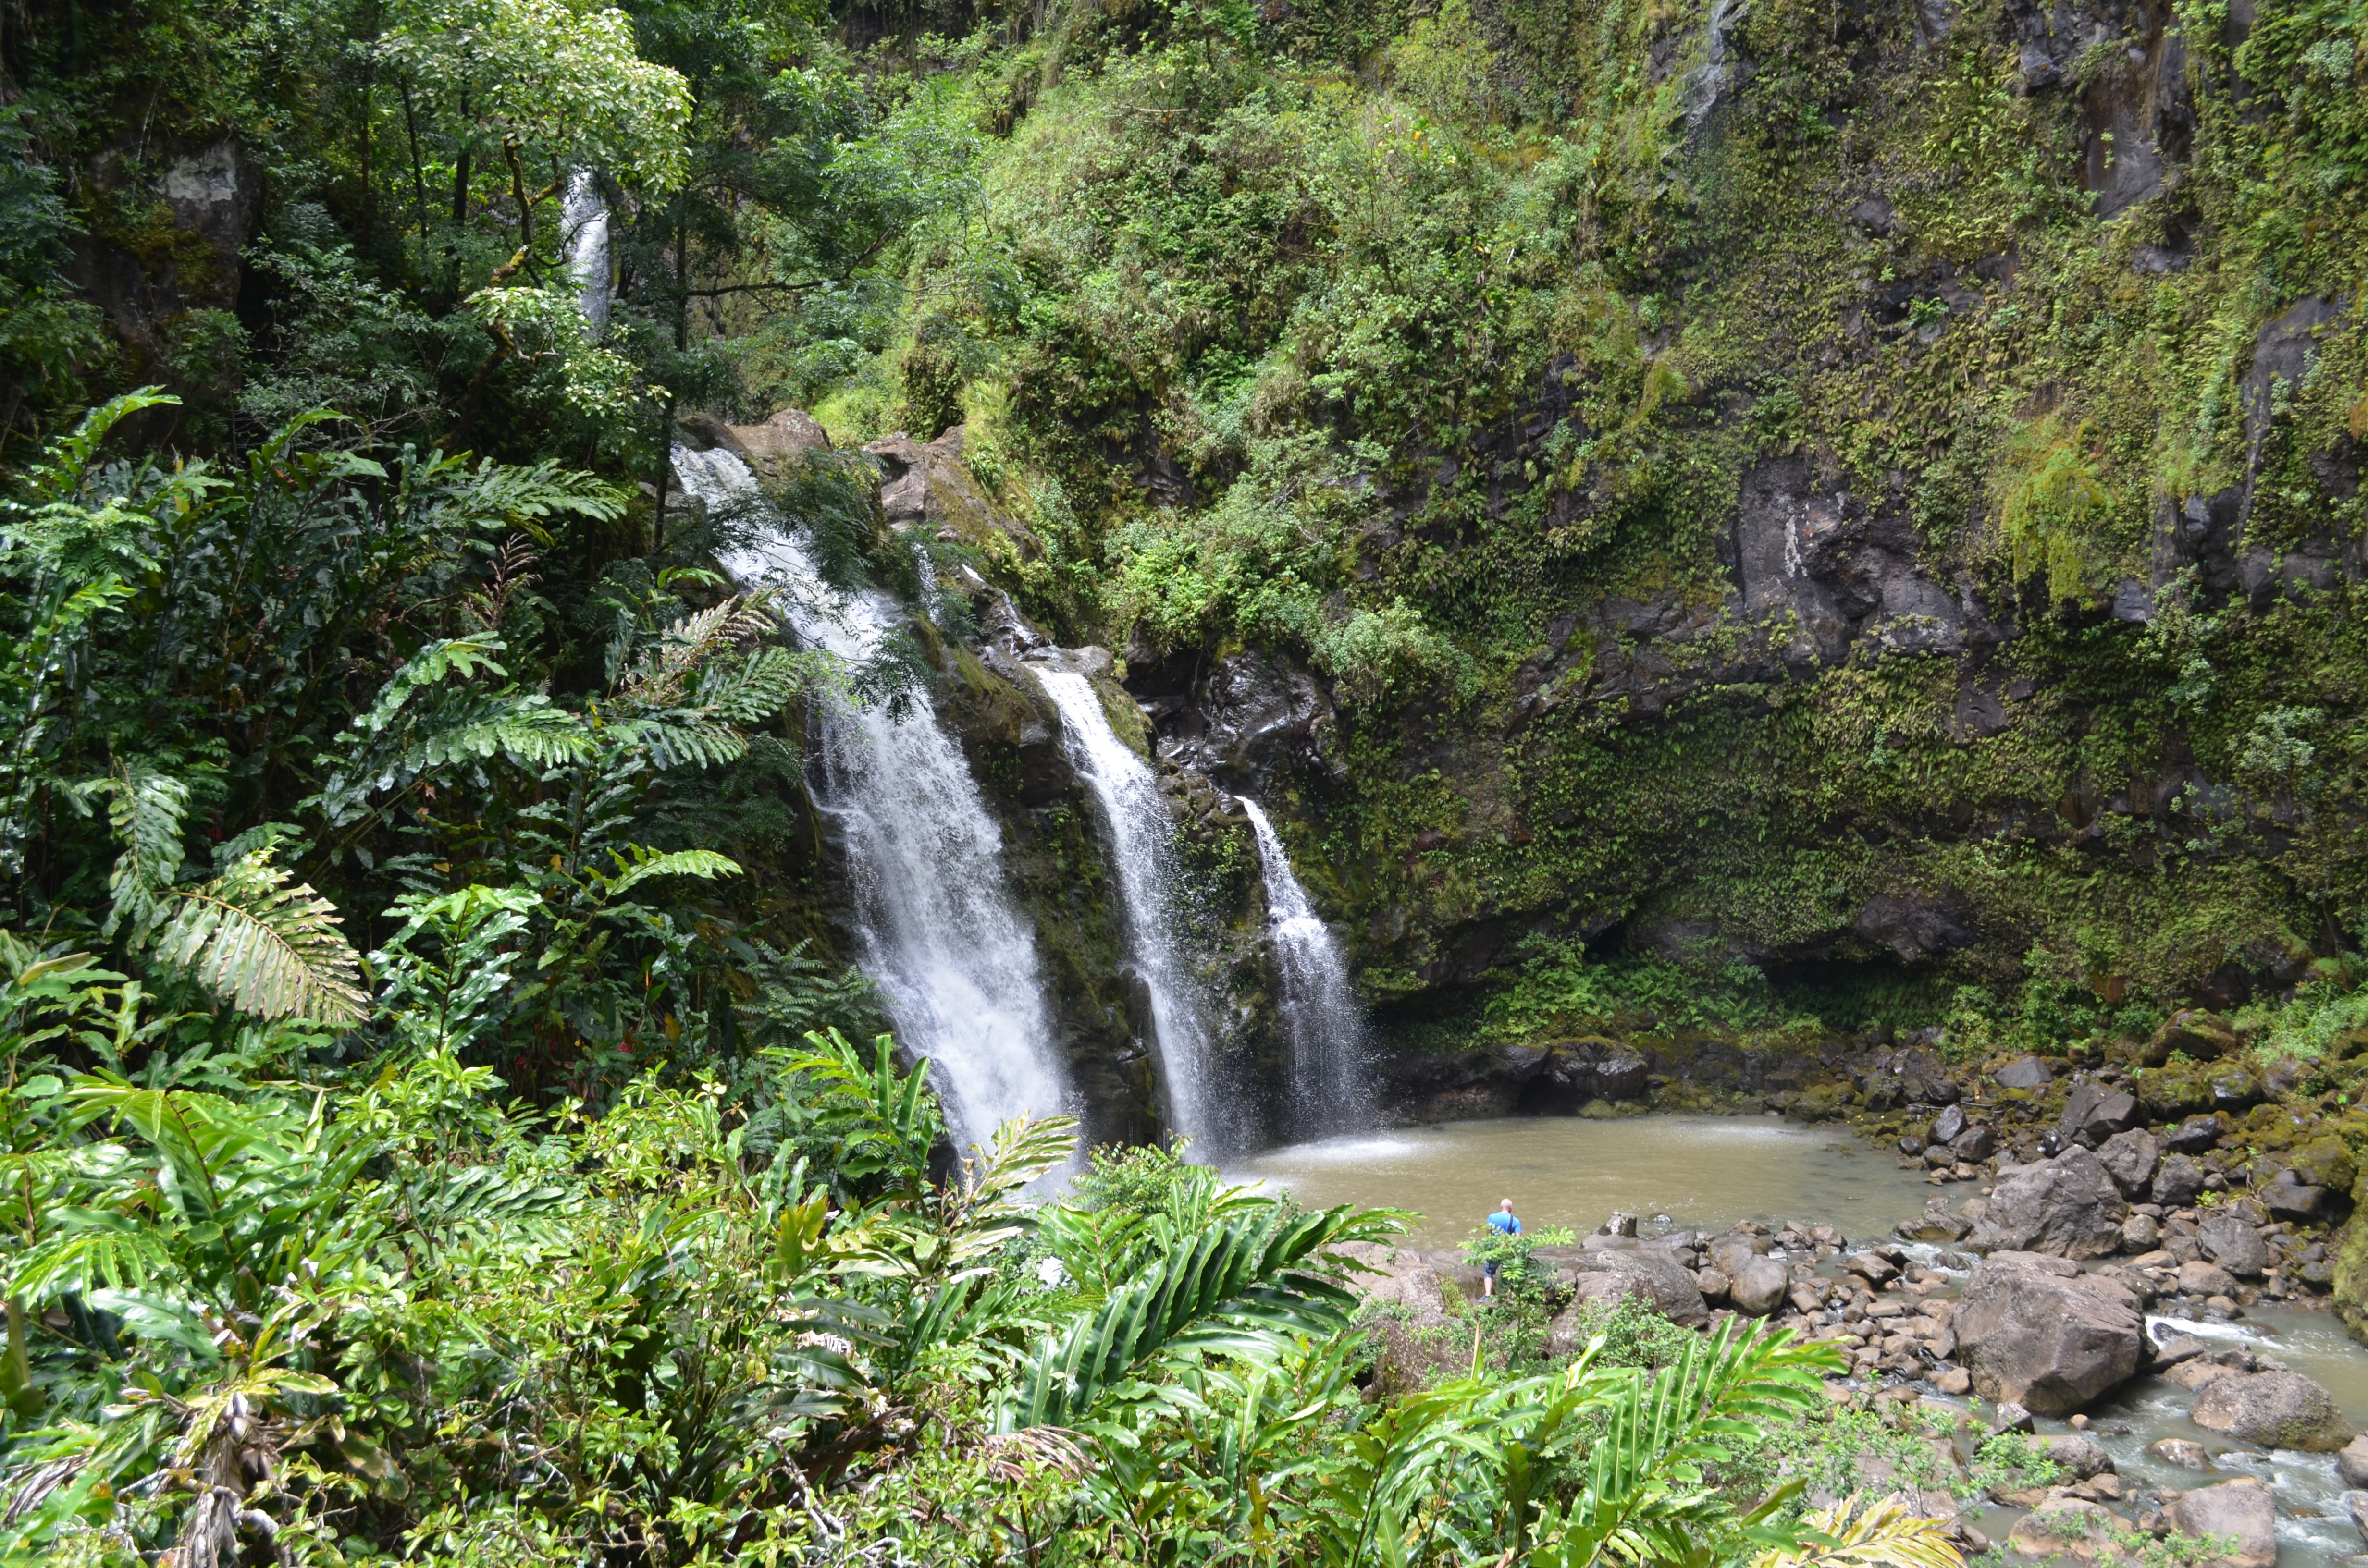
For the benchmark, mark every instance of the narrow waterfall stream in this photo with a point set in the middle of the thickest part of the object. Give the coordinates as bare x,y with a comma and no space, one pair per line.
1141,839
1320,1016
954,961
583,219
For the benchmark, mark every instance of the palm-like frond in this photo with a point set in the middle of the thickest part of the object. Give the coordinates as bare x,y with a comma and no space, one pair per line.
1860,1533
637,863
1227,1287
266,947
59,472
1643,1495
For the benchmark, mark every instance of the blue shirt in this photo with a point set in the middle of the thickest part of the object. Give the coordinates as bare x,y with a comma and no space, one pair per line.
1504,1224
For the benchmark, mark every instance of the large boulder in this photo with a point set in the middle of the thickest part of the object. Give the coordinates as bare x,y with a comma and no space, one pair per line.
1418,1341
2037,1332
2067,1207
2206,1036
2066,1529
2093,1113
1759,1288
2231,1238
1650,1274
2273,1410
2177,1181
2352,1462
2130,1158
2025,1073
2245,1510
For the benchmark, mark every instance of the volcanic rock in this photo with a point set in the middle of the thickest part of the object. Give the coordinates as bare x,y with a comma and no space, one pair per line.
2036,1331
2130,1158
2067,1207
2244,1509
2275,1410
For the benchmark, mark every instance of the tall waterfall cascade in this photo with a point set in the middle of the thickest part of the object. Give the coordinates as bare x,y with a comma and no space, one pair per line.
935,926
1326,1029
584,221
1139,836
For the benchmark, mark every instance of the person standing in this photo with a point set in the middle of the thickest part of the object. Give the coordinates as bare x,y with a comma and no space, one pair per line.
1504,1222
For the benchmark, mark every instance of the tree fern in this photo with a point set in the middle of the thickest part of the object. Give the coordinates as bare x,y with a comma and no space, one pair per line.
265,947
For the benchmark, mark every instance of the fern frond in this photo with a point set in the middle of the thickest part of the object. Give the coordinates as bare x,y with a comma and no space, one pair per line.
265,947
680,742
145,808
414,728
637,864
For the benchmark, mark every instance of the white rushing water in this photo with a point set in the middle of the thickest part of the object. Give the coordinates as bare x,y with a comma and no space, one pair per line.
1139,836
952,958
583,218
1326,1031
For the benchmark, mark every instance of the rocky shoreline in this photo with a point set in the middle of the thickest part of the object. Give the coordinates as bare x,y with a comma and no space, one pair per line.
2115,1196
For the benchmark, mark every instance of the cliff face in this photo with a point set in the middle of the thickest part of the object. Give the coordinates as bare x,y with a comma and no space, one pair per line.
1835,506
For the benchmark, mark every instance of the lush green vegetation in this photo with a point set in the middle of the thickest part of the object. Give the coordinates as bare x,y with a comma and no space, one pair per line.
431,1128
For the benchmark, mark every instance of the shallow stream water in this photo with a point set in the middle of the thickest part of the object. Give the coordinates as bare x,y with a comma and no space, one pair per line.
1707,1172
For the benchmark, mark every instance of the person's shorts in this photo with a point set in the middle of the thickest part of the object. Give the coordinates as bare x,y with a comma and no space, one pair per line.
1489,1268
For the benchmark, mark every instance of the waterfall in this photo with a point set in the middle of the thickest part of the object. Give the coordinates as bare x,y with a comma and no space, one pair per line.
584,221
936,928
1141,839
1327,1031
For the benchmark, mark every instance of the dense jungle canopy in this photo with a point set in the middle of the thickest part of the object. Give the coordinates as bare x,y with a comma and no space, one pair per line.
1741,529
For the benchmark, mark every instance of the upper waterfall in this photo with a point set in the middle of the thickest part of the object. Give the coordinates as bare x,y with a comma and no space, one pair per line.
1326,1031
936,929
584,221
1141,839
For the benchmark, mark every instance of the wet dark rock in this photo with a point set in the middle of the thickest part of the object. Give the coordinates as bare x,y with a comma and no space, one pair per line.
2177,1181
2067,1207
1916,925
2025,1073
2140,1234
2244,1509
2287,1198
2130,1158
1975,1144
1949,1126
2355,1508
2273,1410
2194,1135
1912,1146
2205,1036
2034,1330
2093,1113
2325,1162
2231,1240
2236,1087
